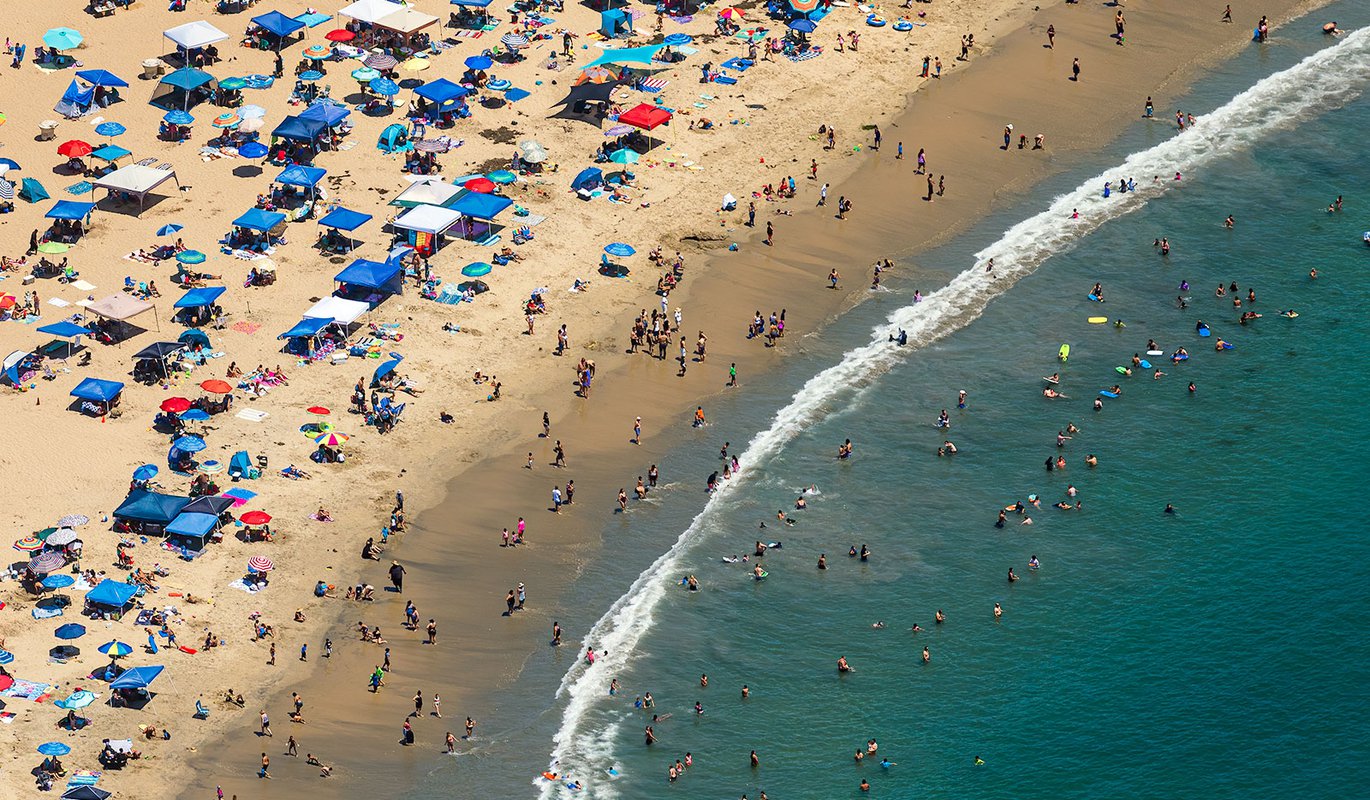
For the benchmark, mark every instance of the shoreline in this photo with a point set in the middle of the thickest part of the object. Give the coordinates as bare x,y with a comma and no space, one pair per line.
807,267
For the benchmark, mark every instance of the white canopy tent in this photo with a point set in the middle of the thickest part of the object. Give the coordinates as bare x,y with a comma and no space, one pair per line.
343,312
370,10
123,307
136,179
433,192
406,21
195,34
427,219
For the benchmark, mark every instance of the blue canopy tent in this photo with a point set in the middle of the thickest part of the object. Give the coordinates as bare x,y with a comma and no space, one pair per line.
298,129
70,210
197,298
102,77
194,526
75,101
110,152
114,594
65,330
150,507
212,504
329,114
483,5
102,393
255,219
278,25
301,176
179,88
342,219
441,91
303,337
383,278
136,678
482,207
157,352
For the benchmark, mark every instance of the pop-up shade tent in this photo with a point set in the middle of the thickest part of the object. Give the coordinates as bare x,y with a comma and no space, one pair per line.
97,391
193,525
427,219
176,89
298,129
65,330
406,21
198,298
441,91
327,113
113,152
136,678
431,192
122,307
387,277
256,219
278,25
301,176
70,209
213,504
112,593
306,328
481,206
343,312
370,10
645,116
193,338
344,219
102,77
155,507
135,179
194,34
31,190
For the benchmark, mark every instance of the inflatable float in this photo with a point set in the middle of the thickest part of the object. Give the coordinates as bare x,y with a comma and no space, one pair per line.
903,25
875,21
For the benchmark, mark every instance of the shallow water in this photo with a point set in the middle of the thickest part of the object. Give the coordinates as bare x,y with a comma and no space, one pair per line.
1213,652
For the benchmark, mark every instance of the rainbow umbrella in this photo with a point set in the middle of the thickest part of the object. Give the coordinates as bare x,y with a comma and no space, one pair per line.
332,439
803,6
226,120
28,544
317,52
115,649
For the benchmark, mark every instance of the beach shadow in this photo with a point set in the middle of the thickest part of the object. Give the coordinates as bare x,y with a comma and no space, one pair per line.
247,171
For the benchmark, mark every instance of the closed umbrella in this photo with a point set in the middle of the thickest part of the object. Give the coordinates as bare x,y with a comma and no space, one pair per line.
260,564
479,63
189,444
178,117
74,149
63,39
29,544
69,631
110,129
49,561
54,748
381,61
365,74
476,269
619,249
145,473
115,649
255,518
174,405
169,229
216,386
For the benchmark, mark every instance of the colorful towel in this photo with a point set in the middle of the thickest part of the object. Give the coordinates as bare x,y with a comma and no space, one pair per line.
653,84
85,777
26,690
805,56
738,64
84,187
240,496
246,327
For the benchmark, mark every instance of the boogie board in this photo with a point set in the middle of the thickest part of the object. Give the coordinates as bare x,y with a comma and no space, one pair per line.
1096,298
1097,320
1144,364
1120,370
1051,380
1180,357
1228,346
1064,352
763,574
1106,393
1205,332
1155,352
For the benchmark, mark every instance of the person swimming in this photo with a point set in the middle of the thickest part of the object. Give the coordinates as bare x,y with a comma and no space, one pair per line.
1032,562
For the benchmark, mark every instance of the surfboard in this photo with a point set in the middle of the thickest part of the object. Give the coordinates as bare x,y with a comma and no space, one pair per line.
1144,364
1097,320
1064,352
1106,393
1120,370
1205,332
612,771
1096,298
1155,352
1051,380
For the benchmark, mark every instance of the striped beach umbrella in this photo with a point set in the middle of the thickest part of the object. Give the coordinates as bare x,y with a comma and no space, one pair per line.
55,582
260,564
61,538
178,117
226,120
145,473
259,81
365,74
514,41
317,52
332,439
29,544
310,75
189,444
115,649
233,84
6,190
169,229
54,748
803,6
190,257
6,657
49,561
212,467
380,61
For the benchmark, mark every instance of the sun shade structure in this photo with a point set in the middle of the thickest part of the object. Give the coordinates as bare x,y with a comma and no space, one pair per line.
96,390
155,507
644,116
327,113
70,209
193,525
195,34
135,179
109,592
299,129
175,90
102,77
120,307
432,192
302,176
278,24
627,55
136,678
406,21
258,220
337,309
112,153
383,277
307,327
481,206
198,298
427,219
370,10
344,219
441,91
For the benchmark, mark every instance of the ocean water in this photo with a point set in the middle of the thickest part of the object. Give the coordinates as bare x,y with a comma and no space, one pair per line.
1214,652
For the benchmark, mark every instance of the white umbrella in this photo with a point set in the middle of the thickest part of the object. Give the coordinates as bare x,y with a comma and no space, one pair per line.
251,111
62,537
251,124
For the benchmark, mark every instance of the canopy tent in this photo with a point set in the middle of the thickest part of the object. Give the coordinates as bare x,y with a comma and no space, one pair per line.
136,179
102,77
329,114
344,219
136,678
155,507
406,21
370,10
430,192
70,209
307,327
158,351
472,3
428,219
209,504
302,176
481,206
627,55
176,89
441,91
278,24
64,330
110,592
299,129
385,277
192,524
645,116
194,34
198,298
255,219
112,153
344,312
120,307
97,391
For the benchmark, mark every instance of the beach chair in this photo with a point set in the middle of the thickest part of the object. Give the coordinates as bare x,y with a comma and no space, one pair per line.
200,711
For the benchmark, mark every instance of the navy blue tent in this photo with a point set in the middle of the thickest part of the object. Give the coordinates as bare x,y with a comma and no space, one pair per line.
481,206
193,525
102,77
329,114
278,24
85,793
588,178
344,219
300,130
136,678
158,350
309,326
384,277
212,504
441,91
300,175
255,219
144,506
109,592
64,330
70,209
196,298
96,390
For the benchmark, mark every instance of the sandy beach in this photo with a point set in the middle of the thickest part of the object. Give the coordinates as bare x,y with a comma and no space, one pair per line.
465,480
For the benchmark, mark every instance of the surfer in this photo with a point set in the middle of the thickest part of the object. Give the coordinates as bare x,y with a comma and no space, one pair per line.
1055,377
902,338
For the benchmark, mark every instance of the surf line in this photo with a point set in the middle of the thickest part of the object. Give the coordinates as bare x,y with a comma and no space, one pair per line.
1324,80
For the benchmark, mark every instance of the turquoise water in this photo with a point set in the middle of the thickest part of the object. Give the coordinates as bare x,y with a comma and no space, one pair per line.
1216,652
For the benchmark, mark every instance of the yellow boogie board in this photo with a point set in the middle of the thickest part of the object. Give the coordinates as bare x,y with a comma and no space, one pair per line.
1097,320
1064,352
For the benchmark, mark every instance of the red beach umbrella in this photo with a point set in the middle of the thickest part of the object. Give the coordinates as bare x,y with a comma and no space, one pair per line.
482,185
216,386
74,149
260,564
320,410
175,405
255,518
340,35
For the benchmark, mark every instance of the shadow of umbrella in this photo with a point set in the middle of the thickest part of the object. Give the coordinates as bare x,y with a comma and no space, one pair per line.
247,171
65,651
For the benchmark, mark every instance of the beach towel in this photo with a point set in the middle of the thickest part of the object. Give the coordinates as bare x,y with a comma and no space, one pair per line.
725,80
84,187
242,586
313,20
653,84
46,613
85,286
805,56
738,64
246,327
85,777
147,162
26,690
144,617
240,496
252,415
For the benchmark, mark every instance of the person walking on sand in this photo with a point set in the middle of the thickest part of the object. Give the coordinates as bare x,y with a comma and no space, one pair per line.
823,195
931,190
556,499
770,235
1075,70
292,747
1051,37
832,278
418,703
432,631
1227,13
397,575
637,431
266,764
266,724
451,742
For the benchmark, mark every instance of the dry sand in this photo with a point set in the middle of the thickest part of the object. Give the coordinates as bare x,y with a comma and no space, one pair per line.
450,568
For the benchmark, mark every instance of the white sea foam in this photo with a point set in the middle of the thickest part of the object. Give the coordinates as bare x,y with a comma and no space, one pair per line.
1325,80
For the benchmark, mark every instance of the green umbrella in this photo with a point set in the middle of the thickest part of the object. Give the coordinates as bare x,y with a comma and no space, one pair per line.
232,83
53,248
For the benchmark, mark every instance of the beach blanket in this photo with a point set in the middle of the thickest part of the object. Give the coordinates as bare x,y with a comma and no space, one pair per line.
85,286
242,586
46,613
246,327
653,84
313,20
251,415
144,617
738,64
84,187
26,690
725,80
147,162
464,34
805,56
85,777
240,496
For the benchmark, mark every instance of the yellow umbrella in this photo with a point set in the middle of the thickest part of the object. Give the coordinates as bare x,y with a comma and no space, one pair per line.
416,65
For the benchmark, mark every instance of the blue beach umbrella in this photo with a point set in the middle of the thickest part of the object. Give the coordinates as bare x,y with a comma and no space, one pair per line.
63,39
803,25
310,75
78,699
384,87
190,257
169,229
677,39
258,81
58,581
476,269
232,84
250,111
503,177
6,657
115,649
145,473
253,150
619,249
9,162
479,63
365,74
178,117
71,630
624,156
194,415
189,444
110,129
54,748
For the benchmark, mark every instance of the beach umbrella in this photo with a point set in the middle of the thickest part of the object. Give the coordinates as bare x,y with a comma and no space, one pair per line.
233,84
677,39
381,61
385,87
340,35
53,248
145,473
226,120
252,112
514,41
29,544
71,630
619,249
804,6
259,81
6,657
6,190
310,75
624,156
318,52
502,177
194,415
431,146
730,12
476,269
620,130
365,74
319,410
803,25
190,257
251,125
189,444
416,65
481,185
178,117
212,467
46,562
260,564
72,520
115,649
479,63
63,39
83,792
9,163
255,518
74,149
173,405
216,386
169,229
110,129
54,748
61,538
77,699
253,150
498,85
333,438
